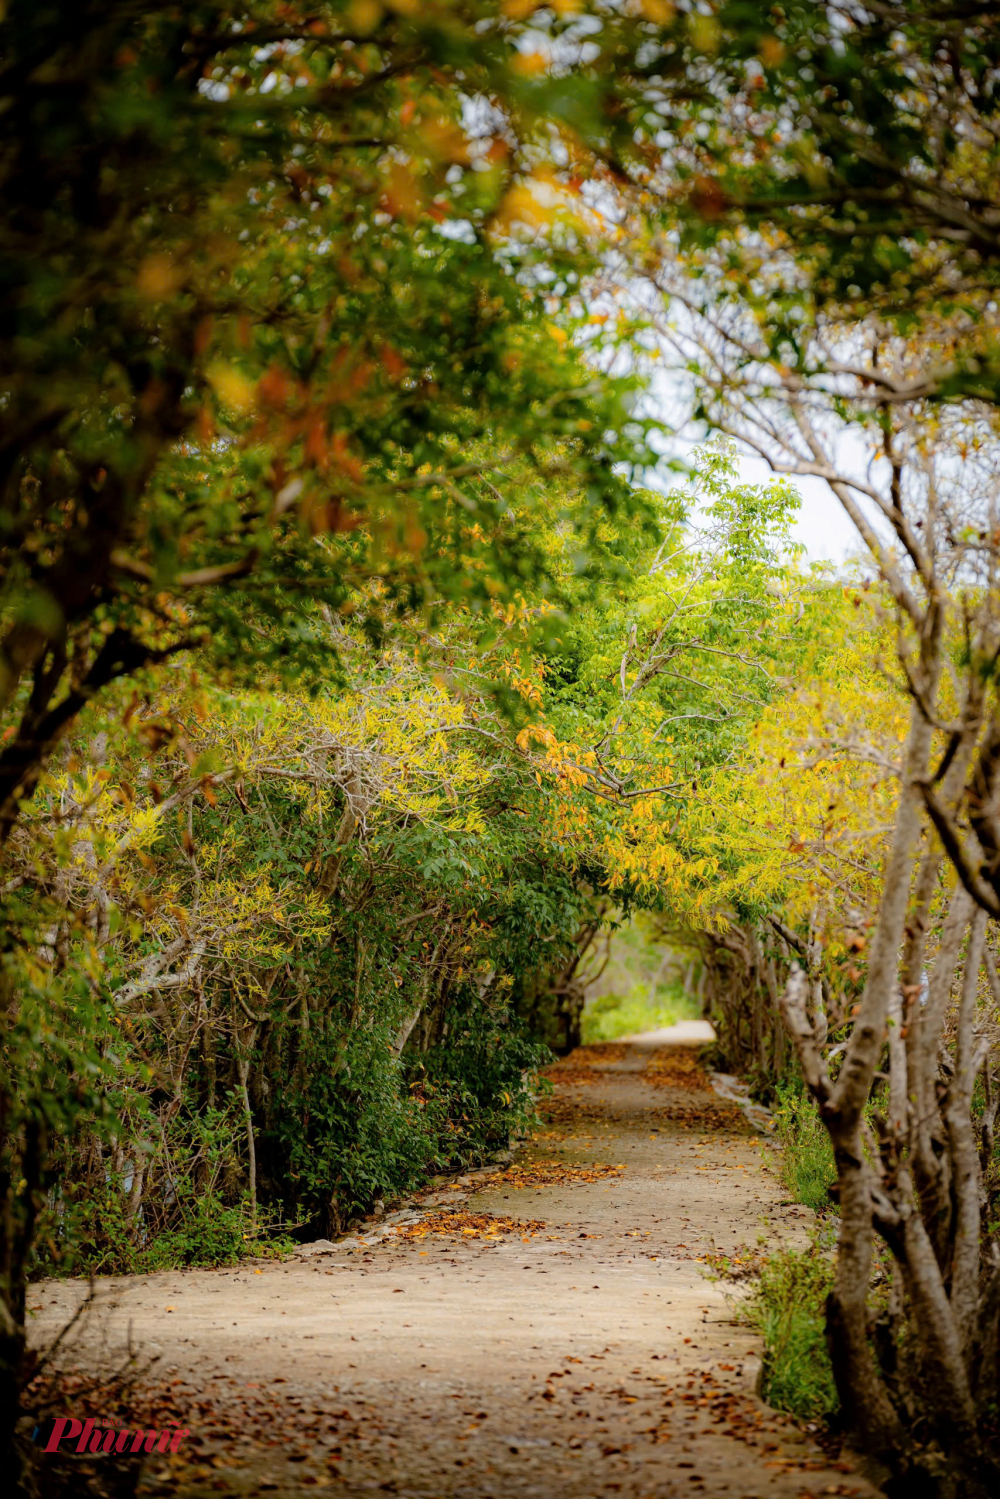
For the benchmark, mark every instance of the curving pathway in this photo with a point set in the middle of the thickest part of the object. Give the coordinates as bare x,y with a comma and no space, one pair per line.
545,1331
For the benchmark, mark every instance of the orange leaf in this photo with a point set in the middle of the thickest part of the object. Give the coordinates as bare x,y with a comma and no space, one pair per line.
316,445
274,387
392,362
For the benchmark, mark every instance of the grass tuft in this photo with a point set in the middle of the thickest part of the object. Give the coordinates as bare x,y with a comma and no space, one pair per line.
787,1308
807,1165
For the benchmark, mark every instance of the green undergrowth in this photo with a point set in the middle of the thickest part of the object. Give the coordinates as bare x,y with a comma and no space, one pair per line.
784,1302
786,1306
787,1289
807,1166
360,1125
204,1231
641,1009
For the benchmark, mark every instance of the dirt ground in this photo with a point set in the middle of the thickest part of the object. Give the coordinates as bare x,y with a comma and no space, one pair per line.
545,1330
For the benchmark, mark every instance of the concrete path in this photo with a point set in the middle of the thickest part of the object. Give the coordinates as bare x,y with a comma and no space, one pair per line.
545,1330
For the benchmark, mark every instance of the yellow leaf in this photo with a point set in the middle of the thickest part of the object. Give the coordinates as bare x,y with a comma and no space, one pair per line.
660,11
232,387
158,277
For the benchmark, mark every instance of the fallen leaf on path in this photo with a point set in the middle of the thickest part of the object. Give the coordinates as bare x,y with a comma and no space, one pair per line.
549,1174
677,1067
469,1225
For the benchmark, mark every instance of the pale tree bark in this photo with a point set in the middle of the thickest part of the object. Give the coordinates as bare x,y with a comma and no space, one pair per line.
859,1383
930,1164
966,1189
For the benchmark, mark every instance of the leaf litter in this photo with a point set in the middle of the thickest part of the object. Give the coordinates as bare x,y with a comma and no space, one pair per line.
548,1174
469,1226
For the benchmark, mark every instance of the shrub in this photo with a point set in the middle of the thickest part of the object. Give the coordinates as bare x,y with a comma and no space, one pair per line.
478,1088
370,1124
351,1133
211,1233
98,1236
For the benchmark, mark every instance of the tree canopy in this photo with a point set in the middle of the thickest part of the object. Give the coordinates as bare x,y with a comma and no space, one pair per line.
370,648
